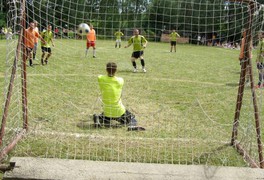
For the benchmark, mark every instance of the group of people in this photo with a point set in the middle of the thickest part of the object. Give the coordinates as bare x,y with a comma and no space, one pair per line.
31,37
138,41
110,85
7,32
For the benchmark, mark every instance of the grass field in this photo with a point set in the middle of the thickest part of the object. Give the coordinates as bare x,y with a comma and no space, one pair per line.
186,101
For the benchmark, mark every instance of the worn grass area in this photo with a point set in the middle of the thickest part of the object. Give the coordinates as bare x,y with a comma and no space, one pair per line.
186,101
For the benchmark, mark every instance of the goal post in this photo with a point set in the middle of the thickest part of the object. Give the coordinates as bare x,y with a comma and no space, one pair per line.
246,63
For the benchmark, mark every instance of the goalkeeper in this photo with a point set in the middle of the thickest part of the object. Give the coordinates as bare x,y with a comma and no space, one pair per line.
113,109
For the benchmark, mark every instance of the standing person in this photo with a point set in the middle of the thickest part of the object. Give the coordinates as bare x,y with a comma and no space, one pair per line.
173,38
65,31
111,90
260,61
36,40
47,35
56,32
198,39
8,33
139,44
29,41
118,34
214,40
91,38
242,55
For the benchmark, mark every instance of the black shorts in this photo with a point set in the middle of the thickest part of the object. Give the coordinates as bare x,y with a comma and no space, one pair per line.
126,119
173,43
137,54
46,49
260,66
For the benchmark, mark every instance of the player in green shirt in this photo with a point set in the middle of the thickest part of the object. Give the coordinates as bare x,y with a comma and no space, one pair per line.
47,35
113,109
139,44
260,61
173,38
118,34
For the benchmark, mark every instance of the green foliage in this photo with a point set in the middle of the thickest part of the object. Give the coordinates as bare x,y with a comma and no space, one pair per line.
2,19
189,18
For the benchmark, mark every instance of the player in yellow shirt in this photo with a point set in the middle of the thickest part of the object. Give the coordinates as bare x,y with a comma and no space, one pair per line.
118,34
47,35
90,40
113,109
139,44
173,37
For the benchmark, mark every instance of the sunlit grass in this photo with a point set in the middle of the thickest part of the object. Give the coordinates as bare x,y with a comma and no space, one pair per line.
186,101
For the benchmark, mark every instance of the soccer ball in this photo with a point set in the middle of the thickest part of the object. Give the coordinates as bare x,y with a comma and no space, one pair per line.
83,29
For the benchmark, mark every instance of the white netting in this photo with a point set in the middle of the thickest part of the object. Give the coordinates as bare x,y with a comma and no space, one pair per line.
186,100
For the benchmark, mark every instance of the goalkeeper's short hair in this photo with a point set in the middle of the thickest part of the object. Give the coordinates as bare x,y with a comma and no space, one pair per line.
111,68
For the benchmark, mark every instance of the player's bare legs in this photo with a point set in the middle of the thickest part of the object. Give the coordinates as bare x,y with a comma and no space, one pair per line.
94,52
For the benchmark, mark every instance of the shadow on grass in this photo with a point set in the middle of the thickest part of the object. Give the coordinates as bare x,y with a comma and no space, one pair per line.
209,156
90,125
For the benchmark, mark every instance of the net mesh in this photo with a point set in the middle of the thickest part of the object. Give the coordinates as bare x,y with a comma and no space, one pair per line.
186,101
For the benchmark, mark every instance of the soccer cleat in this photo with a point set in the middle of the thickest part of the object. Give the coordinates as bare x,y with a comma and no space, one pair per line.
94,56
260,85
144,70
135,128
96,121
135,70
30,62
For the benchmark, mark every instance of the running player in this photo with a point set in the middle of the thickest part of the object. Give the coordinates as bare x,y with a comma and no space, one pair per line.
91,38
47,35
139,44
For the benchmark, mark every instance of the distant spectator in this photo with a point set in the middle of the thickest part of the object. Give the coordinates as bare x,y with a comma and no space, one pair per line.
56,32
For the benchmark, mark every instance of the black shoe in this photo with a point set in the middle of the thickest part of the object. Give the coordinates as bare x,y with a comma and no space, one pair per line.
30,62
96,121
135,128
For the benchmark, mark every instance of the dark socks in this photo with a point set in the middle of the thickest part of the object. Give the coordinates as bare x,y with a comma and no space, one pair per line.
134,64
142,62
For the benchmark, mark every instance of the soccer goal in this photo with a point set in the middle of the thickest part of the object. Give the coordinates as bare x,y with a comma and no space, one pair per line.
199,104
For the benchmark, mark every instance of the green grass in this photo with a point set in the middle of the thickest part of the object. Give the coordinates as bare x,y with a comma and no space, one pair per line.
186,101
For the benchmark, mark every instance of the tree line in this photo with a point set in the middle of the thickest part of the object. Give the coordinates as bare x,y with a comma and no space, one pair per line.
189,18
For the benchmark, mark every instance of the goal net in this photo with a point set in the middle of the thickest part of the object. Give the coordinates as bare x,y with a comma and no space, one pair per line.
187,100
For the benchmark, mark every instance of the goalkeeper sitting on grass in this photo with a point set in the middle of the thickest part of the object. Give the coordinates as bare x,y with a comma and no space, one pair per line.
113,109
